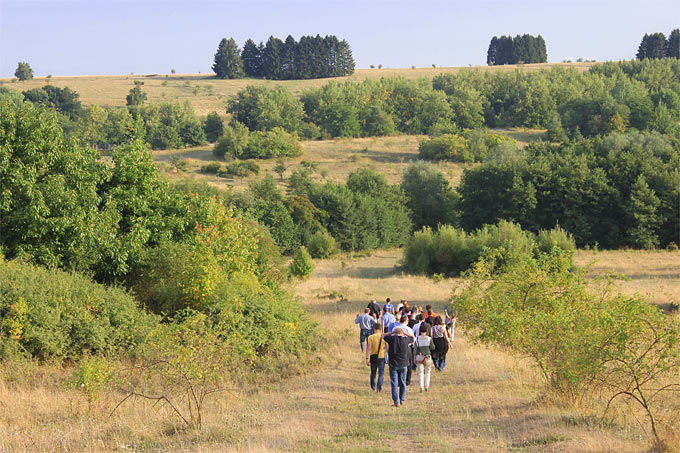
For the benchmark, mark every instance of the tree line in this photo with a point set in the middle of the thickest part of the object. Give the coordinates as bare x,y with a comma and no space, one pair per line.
656,45
520,49
310,58
641,95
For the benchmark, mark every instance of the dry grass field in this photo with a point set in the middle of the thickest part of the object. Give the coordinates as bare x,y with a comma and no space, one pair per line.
485,401
208,94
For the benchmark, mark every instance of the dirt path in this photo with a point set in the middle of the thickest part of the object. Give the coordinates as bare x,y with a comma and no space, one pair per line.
484,401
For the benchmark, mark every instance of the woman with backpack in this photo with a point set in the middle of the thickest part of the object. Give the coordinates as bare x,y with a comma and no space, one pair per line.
422,352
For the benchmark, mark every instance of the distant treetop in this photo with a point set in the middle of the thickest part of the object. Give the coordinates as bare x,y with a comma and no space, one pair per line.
520,49
310,58
657,46
24,71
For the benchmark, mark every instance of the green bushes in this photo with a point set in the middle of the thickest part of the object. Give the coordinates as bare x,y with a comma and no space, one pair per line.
302,265
470,146
451,251
321,244
54,315
584,340
238,142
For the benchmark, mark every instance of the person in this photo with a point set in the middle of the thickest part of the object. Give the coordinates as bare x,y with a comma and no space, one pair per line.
400,305
398,346
429,315
375,308
450,321
389,306
366,322
387,318
375,357
441,340
422,356
416,326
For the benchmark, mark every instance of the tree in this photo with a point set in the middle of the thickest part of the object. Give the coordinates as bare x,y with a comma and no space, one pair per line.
644,219
673,45
228,63
271,58
652,46
136,95
491,54
252,59
213,127
23,72
429,197
302,265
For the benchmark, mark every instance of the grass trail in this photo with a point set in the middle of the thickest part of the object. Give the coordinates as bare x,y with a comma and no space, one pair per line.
484,401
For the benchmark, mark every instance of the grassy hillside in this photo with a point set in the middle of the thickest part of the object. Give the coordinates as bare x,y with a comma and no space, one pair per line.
485,401
207,94
334,159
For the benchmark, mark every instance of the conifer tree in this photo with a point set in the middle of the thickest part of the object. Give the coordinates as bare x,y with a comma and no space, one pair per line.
673,45
288,54
271,58
252,59
228,63
491,54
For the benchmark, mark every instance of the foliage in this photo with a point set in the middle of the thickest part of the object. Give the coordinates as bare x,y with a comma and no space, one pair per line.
520,49
23,71
261,109
213,127
321,244
233,142
452,251
54,315
302,265
92,375
242,168
63,100
273,143
431,200
228,63
211,168
136,95
582,340
445,147
367,213
613,191
311,57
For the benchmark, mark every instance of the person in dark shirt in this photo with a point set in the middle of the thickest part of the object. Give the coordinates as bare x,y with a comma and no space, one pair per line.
375,309
398,342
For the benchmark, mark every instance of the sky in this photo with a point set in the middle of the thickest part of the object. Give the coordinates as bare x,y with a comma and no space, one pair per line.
92,37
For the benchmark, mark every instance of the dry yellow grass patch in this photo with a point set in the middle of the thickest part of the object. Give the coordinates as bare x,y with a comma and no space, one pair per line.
207,94
653,275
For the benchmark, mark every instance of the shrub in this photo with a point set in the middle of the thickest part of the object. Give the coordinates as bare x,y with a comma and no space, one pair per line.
557,237
233,141
211,168
321,244
68,314
302,265
274,143
445,147
451,251
242,168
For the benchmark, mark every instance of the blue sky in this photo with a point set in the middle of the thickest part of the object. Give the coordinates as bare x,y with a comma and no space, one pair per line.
79,37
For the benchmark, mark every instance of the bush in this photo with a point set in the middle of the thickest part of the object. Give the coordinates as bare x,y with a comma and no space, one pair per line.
233,141
267,144
211,168
242,168
54,315
445,147
302,265
321,244
451,251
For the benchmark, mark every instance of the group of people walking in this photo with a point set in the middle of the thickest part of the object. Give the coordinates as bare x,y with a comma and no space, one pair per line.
407,339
